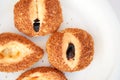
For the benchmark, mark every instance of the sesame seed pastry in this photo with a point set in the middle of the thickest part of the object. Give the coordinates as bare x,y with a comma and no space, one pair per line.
42,73
37,17
70,50
17,52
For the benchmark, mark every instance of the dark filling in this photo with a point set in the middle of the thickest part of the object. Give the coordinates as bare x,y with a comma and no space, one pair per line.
70,51
36,25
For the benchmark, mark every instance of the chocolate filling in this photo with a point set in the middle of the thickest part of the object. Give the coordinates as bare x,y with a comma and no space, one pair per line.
70,51
36,25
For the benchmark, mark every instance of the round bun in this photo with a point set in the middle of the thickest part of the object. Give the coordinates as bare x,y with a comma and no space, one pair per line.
17,52
42,73
70,50
37,17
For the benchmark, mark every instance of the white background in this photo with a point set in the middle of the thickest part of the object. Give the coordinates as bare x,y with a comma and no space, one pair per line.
115,4
116,7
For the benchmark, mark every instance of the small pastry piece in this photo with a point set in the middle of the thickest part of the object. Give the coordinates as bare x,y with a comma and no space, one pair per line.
37,17
70,50
17,52
42,73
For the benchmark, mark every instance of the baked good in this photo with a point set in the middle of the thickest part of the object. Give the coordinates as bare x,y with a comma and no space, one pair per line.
42,73
70,50
17,52
37,17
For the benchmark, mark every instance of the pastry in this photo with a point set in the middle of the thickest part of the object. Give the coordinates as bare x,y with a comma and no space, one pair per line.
42,73
37,17
17,52
70,50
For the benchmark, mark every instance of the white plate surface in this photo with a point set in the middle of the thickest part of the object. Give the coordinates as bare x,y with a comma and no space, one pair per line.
94,16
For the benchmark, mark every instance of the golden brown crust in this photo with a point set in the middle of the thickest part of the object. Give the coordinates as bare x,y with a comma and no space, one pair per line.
53,17
54,49
26,61
42,70
21,10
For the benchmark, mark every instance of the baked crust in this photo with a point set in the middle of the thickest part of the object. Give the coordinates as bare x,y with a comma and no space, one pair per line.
55,50
28,60
57,74
50,23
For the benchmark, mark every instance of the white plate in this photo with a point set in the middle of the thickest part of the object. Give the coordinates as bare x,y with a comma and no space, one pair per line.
94,16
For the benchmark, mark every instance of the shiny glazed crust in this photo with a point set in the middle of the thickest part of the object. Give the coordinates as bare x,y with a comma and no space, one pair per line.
43,70
28,60
54,49
53,17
